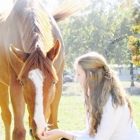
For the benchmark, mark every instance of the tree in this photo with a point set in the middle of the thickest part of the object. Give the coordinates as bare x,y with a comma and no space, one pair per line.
94,29
134,41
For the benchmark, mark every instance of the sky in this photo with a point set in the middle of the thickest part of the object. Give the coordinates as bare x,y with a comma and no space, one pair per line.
4,4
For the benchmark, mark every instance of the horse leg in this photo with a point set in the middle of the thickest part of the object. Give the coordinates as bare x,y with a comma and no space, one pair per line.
18,105
5,112
55,104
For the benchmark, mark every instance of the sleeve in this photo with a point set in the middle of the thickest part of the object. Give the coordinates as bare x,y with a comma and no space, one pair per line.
110,119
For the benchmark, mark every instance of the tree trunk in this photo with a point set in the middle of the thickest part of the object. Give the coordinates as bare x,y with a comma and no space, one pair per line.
132,76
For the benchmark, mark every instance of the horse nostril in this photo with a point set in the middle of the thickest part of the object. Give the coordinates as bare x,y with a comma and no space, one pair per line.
35,137
31,133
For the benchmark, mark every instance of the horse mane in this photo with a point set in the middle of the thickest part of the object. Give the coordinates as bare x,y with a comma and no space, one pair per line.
38,60
35,24
35,29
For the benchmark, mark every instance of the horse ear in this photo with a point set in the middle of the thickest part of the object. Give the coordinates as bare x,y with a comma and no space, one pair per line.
19,53
53,52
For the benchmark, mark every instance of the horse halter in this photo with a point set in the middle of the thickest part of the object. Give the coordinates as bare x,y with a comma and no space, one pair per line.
22,83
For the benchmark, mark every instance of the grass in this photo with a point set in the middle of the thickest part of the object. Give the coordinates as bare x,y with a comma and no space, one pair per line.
71,109
136,106
71,113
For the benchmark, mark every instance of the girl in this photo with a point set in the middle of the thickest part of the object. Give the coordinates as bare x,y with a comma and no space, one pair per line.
108,107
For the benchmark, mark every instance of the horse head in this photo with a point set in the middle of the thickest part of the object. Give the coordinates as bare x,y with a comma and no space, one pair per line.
38,78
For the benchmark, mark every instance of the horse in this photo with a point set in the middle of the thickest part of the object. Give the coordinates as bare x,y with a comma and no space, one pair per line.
32,57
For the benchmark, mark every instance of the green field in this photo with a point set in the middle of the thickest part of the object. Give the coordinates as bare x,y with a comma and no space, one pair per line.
71,110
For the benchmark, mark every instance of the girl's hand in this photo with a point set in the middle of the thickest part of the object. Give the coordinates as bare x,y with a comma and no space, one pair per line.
52,135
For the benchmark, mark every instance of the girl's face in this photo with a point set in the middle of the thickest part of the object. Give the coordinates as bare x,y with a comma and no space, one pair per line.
80,75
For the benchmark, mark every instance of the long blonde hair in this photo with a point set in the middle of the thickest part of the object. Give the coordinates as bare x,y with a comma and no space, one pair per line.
100,83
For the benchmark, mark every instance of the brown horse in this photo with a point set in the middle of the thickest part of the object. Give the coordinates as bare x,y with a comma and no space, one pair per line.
31,66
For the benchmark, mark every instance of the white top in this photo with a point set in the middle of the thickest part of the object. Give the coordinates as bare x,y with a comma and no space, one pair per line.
116,124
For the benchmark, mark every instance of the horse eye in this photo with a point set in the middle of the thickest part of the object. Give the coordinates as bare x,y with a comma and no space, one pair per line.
53,83
21,82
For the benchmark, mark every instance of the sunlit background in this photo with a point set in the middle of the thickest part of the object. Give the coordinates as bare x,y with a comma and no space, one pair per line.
102,27
5,4
51,4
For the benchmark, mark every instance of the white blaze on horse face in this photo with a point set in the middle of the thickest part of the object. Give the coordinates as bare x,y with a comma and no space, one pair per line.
37,78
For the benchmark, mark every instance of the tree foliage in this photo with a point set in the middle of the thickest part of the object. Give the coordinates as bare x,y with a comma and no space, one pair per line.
100,27
134,41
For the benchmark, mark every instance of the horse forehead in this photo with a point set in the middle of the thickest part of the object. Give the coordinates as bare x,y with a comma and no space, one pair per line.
36,75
